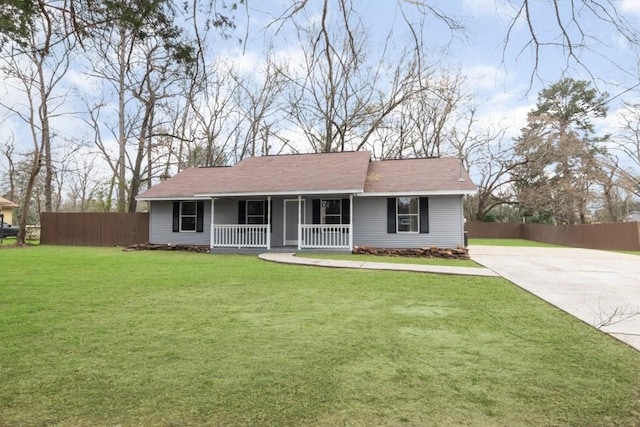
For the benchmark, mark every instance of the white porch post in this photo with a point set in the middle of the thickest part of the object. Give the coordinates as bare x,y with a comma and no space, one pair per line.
268,223
351,222
212,222
299,221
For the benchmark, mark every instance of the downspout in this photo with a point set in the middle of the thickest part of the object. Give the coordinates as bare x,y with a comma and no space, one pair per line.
299,221
462,220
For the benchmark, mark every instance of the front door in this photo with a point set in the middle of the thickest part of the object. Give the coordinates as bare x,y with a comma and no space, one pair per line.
291,221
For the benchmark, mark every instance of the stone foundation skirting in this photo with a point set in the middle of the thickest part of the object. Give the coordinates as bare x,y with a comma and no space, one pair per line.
167,247
432,252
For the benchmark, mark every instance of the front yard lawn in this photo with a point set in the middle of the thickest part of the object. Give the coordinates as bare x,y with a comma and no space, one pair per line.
96,336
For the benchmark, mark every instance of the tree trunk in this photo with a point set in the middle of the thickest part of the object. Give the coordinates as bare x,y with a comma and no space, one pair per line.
136,176
122,137
46,143
33,175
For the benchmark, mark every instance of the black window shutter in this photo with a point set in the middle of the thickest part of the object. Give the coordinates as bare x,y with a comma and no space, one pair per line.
391,215
315,211
346,213
242,211
424,214
176,217
200,216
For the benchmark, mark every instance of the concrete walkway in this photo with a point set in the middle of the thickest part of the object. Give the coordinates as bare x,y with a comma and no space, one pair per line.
290,258
600,288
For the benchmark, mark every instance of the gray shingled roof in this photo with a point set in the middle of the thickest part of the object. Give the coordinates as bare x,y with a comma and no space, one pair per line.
418,176
330,173
189,182
301,173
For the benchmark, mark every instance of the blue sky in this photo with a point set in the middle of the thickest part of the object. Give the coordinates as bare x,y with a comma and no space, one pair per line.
499,74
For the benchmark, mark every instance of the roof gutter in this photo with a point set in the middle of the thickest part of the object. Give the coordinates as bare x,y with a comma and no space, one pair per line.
279,193
418,193
169,198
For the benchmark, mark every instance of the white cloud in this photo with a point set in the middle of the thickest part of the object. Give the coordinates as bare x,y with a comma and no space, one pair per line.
630,6
485,78
495,8
243,62
501,101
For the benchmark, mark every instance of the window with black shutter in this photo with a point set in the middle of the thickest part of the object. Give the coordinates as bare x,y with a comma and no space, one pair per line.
408,215
188,216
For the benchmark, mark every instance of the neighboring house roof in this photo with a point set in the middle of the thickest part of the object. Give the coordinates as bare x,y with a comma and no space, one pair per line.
4,203
328,173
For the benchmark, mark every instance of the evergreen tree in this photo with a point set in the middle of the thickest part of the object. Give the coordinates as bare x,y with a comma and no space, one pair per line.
558,152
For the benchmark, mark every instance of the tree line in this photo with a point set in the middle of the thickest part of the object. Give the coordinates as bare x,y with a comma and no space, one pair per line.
112,97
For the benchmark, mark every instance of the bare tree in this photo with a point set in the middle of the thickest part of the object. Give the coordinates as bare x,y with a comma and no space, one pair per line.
489,157
627,146
8,152
425,124
567,33
141,72
257,100
209,110
36,70
84,181
614,195
342,95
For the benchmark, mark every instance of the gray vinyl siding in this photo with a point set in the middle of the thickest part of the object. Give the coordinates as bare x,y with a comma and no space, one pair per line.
369,222
161,226
225,212
445,224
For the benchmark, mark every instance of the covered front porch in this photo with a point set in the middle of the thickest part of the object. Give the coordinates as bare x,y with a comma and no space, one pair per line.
302,222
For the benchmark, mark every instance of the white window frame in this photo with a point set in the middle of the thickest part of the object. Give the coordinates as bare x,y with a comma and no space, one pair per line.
398,214
264,213
194,216
323,214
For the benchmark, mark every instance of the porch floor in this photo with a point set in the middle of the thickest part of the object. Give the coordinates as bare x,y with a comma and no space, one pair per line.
274,249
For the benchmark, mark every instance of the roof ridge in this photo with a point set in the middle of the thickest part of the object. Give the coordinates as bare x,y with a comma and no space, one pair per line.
307,154
417,158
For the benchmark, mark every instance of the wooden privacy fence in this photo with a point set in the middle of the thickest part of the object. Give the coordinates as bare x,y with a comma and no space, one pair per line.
620,236
94,229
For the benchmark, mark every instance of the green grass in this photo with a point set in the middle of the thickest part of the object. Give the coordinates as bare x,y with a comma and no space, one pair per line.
511,242
96,336
391,259
9,241
6,241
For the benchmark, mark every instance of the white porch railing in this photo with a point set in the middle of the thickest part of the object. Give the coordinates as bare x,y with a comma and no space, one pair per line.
239,236
315,236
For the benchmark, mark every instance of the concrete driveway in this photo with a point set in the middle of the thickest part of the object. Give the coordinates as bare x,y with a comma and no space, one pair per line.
598,287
